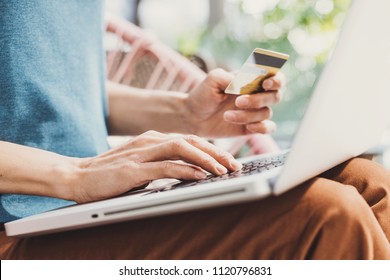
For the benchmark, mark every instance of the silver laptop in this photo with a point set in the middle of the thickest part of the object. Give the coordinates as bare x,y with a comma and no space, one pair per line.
345,117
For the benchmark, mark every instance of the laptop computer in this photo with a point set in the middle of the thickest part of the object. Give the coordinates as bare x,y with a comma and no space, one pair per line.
345,117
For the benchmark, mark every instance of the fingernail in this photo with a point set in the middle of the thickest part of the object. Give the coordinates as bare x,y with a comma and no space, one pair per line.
229,116
267,84
235,165
271,127
221,169
200,175
242,102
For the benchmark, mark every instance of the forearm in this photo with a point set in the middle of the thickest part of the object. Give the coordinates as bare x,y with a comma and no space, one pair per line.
133,111
25,170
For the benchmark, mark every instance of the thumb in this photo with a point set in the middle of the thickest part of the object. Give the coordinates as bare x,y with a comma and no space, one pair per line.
219,78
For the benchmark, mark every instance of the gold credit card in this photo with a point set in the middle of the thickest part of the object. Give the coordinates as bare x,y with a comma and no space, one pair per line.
260,65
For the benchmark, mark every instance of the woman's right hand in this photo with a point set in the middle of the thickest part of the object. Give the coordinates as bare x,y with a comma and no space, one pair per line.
150,156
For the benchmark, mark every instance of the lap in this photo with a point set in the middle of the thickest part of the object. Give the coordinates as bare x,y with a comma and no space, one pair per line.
283,227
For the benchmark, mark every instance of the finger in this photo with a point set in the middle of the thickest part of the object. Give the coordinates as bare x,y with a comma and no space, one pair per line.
257,101
194,155
274,82
247,116
264,127
179,149
168,169
223,157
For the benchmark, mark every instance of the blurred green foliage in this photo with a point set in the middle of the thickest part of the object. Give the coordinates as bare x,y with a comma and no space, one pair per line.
305,29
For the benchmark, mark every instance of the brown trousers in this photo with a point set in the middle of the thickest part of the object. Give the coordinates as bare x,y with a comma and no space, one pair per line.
342,214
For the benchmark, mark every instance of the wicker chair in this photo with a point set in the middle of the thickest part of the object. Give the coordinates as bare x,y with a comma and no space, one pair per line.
142,61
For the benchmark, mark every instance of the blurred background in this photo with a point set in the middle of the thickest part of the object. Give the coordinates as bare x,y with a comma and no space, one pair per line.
224,32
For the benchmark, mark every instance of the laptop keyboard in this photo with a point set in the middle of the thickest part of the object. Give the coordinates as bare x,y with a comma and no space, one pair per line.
249,168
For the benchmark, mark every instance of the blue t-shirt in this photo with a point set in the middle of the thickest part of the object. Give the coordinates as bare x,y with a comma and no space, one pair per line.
52,92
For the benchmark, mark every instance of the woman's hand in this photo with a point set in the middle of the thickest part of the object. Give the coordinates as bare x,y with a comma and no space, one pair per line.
215,114
147,157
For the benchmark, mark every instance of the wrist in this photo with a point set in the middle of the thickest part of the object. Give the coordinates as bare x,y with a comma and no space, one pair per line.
186,113
173,114
65,178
